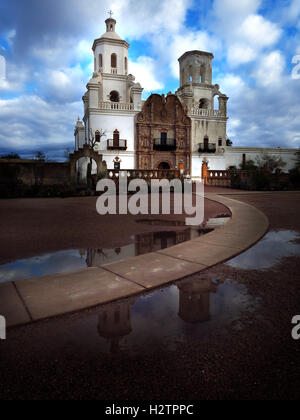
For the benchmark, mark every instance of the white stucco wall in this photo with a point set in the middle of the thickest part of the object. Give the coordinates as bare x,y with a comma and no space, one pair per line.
214,129
109,123
234,155
127,159
107,49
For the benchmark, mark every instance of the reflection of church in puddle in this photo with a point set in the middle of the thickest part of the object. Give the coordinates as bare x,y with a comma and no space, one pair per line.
194,300
143,244
194,307
115,323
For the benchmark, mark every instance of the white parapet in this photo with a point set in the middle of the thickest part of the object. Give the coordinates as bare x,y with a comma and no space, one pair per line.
116,106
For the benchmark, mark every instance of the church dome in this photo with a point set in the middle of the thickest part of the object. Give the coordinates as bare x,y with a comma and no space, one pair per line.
110,30
111,35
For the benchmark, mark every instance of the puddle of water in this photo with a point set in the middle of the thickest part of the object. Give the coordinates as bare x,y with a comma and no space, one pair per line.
269,251
192,309
72,260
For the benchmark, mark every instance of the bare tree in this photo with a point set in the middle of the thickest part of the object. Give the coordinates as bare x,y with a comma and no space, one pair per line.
297,154
272,163
93,140
67,153
40,156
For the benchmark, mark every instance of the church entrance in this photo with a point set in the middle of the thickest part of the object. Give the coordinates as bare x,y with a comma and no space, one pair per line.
164,166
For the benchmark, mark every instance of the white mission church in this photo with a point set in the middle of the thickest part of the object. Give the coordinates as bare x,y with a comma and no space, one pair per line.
179,130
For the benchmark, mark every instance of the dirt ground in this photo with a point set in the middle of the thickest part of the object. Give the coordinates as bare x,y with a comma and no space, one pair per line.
255,358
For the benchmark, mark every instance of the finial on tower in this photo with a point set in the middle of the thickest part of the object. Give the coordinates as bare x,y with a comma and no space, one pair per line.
110,23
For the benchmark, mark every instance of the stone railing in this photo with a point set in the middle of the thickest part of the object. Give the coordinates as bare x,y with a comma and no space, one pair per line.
116,106
146,174
164,145
199,112
207,148
218,178
116,144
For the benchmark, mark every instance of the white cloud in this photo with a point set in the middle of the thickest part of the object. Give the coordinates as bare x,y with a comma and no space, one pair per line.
30,117
292,12
233,10
270,69
258,32
59,53
232,84
138,18
245,32
63,86
144,71
188,41
240,54
15,78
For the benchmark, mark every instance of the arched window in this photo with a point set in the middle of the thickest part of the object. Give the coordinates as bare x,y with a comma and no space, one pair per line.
164,138
97,136
191,73
203,103
216,103
116,136
202,74
126,64
114,61
114,96
206,143
100,61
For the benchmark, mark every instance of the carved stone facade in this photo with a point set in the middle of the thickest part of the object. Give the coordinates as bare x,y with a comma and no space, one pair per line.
163,135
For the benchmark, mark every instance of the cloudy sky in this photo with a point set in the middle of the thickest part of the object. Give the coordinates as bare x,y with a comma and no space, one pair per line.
46,46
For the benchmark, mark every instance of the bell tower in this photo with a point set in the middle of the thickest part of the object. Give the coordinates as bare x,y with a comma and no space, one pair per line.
112,100
199,97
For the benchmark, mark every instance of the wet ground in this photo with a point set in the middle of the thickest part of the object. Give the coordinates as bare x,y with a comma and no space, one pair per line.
67,261
35,227
225,333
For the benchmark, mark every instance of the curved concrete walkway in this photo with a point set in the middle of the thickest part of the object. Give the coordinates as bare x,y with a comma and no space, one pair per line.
31,300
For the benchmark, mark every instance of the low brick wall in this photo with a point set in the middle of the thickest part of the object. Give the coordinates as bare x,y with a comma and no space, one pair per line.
33,173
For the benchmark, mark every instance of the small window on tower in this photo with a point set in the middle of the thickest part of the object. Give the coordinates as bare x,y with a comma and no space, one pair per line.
116,136
163,138
126,64
203,103
114,61
100,61
220,142
97,137
114,96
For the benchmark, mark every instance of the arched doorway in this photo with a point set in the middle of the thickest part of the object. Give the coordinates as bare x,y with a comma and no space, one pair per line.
90,157
164,166
86,168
